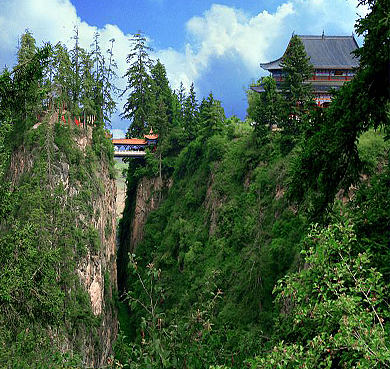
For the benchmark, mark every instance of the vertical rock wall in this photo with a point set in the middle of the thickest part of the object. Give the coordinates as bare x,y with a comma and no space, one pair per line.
144,199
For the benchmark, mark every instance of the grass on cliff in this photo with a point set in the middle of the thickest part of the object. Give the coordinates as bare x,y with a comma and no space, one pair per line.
221,239
225,226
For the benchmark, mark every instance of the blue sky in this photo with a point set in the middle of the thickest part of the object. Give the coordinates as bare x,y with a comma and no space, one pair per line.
216,45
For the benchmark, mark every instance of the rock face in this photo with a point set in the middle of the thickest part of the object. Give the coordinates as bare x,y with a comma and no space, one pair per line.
80,181
148,197
145,198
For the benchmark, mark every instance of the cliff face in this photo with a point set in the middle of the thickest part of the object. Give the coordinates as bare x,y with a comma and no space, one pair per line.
224,224
64,174
142,198
147,199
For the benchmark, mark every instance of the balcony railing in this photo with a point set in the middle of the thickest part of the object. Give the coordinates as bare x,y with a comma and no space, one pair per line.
330,78
321,78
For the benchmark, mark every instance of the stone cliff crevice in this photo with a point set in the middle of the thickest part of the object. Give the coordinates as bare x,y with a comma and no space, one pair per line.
142,198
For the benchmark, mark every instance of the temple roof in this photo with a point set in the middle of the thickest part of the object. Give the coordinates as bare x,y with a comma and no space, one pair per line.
151,135
325,52
128,141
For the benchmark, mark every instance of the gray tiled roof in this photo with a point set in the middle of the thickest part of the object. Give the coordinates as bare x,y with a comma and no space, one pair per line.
325,52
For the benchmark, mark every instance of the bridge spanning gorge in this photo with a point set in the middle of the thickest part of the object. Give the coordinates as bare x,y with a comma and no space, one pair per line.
133,147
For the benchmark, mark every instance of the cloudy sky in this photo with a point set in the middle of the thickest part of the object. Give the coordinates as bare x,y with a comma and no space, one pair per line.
216,45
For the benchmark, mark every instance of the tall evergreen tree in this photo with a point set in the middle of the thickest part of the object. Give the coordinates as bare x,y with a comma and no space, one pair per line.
191,112
162,97
211,116
97,56
109,88
103,74
98,75
88,85
63,74
21,92
264,109
138,104
27,47
29,57
181,95
298,95
296,69
178,101
75,57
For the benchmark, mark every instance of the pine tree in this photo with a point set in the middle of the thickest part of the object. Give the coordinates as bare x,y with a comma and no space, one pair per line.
139,101
191,112
264,108
97,56
109,88
75,57
297,69
27,47
103,74
181,95
211,116
298,94
88,85
178,101
21,92
32,94
63,74
162,97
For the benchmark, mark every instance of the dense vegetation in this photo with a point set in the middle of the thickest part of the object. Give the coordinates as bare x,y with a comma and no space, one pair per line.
270,249
44,229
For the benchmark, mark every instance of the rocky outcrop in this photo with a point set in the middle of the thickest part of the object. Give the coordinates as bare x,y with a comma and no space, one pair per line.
147,199
141,200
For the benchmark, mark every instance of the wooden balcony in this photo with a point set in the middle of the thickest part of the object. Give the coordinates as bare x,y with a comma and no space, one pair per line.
320,78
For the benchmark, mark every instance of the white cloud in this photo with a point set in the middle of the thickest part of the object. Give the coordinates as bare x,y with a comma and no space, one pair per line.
54,21
330,16
223,31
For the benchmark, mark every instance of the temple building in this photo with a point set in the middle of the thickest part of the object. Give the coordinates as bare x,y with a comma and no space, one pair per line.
332,61
134,147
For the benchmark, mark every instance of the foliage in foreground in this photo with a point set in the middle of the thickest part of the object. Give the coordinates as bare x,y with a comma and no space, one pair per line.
333,310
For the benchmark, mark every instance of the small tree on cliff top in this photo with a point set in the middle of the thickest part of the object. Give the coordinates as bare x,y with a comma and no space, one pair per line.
264,108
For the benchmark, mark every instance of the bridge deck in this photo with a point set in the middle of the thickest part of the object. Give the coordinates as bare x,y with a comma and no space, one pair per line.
129,153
